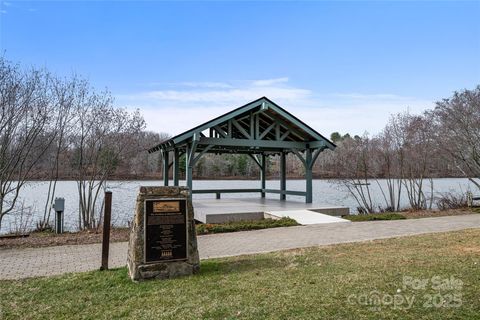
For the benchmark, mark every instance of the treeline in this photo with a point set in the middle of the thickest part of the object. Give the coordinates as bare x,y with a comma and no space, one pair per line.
54,128
410,151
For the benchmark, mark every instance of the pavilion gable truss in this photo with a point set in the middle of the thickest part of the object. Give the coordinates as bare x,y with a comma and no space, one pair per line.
258,129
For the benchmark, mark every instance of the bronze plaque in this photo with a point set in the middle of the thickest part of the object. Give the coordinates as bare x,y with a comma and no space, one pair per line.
165,230
166,206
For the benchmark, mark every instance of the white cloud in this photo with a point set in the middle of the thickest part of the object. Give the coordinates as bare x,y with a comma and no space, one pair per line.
206,84
193,84
3,11
361,96
269,82
357,116
204,96
178,109
224,96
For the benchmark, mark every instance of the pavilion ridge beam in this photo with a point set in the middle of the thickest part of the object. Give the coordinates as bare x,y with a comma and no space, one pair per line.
262,109
253,143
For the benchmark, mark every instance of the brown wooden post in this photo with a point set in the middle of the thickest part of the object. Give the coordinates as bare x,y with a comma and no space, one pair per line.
107,216
263,173
166,168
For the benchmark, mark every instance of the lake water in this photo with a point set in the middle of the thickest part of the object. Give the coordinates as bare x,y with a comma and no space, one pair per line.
325,192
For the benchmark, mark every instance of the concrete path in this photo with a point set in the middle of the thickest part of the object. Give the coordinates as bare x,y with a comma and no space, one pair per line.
24,263
306,217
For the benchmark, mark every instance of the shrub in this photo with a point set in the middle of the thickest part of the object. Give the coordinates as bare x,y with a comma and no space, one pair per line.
451,201
476,209
244,225
375,216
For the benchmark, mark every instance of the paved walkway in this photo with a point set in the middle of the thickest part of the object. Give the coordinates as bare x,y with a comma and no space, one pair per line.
24,263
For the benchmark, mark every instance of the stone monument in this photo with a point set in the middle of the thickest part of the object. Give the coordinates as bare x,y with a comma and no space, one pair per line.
163,241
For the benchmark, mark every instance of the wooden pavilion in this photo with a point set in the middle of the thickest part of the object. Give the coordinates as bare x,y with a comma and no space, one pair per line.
258,129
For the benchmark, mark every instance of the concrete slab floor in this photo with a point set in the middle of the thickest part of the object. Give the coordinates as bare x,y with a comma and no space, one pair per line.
233,206
305,217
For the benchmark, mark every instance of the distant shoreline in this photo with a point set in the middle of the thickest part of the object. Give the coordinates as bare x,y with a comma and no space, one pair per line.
230,178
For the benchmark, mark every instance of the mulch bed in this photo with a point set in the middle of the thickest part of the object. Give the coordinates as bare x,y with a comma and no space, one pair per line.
433,213
48,239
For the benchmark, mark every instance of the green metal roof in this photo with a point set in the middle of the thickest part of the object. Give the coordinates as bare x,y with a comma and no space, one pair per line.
260,126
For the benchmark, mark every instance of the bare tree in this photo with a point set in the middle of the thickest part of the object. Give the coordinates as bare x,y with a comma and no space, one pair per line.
141,163
63,94
387,161
26,129
420,152
457,121
102,135
408,141
354,157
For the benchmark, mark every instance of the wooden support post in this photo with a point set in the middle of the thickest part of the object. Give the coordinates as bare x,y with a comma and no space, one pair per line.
188,167
263,173
176,167
165,168
190,161
107,216
283,176
308,175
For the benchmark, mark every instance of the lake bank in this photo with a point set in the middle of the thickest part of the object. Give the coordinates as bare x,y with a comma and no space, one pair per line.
325,192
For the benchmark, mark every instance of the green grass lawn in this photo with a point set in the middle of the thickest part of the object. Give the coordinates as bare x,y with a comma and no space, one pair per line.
315,283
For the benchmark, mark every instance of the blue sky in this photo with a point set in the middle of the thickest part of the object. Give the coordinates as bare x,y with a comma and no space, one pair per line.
340,66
